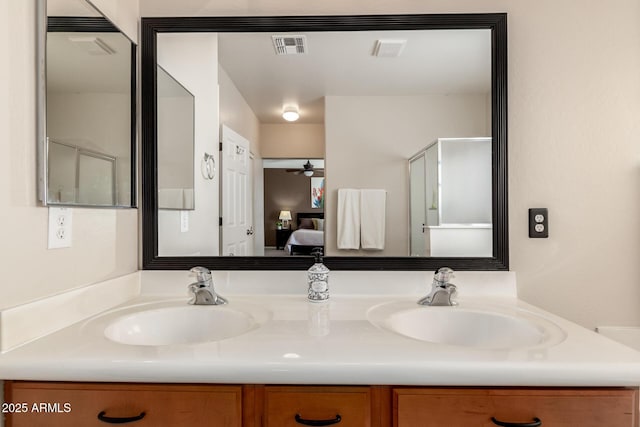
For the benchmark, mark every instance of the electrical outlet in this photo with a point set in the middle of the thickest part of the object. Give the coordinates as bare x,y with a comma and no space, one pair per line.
59,228
538,223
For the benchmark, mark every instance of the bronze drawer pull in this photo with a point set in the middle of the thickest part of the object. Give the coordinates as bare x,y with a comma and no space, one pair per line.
119,420
302,421
535,423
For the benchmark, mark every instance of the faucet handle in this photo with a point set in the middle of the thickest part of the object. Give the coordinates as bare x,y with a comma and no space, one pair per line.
453,293
203,275
443,275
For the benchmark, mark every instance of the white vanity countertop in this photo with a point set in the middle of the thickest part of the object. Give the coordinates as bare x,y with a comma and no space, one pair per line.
327,343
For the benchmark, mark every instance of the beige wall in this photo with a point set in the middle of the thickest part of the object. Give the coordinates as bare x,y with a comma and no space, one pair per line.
236,113
369,140
574,138
282,141
105,241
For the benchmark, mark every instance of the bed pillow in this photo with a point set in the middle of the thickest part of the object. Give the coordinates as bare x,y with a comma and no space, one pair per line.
306,223
318,224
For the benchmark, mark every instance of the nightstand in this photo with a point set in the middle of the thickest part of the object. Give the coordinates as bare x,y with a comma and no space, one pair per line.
282,236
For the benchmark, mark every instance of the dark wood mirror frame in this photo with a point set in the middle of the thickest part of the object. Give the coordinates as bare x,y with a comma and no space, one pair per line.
496,22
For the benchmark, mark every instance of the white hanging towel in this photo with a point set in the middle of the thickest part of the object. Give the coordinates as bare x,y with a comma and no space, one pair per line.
348,218
372,218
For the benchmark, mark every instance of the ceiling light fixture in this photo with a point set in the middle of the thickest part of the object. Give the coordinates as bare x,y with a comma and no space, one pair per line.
308,173
290,114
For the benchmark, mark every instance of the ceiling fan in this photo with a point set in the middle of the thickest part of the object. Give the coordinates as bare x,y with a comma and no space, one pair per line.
307,170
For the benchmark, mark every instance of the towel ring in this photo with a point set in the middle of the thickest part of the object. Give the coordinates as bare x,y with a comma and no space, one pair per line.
208,166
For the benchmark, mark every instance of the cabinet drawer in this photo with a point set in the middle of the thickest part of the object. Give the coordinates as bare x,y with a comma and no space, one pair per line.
79,404
476,407
351,404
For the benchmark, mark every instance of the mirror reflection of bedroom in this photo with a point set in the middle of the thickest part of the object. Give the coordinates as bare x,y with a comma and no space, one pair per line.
279,108
293,206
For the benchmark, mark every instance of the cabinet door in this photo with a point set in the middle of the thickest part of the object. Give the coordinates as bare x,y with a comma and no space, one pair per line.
297,406
84,404
553,407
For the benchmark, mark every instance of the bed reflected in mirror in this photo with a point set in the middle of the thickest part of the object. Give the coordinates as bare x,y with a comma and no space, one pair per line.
293,206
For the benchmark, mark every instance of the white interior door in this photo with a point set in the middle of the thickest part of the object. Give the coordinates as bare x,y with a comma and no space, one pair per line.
236,187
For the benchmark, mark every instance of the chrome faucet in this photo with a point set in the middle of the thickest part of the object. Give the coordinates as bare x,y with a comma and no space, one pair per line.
202,290
442,292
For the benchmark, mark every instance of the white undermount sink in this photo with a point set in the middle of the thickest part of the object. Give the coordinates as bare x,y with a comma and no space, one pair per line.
467,326
181,324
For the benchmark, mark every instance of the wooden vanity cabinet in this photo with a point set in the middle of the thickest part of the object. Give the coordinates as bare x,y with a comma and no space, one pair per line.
152,405
168,405
553,407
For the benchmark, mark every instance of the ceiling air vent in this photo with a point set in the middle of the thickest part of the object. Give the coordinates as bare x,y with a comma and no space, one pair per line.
93,45
388,48
290,45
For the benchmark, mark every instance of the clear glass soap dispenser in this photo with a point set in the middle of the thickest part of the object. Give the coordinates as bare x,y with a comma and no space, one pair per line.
318,278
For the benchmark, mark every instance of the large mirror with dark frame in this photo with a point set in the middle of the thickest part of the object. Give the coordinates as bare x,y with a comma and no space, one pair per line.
381,139
86,108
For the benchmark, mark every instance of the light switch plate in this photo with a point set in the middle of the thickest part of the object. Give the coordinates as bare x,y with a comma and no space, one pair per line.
184,221
59,228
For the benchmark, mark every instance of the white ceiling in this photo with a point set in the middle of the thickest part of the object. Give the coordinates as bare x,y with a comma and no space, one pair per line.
71,8
71,68
341,64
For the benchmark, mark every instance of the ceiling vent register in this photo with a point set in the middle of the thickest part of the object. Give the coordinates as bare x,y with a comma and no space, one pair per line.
389,48
93,45
290,45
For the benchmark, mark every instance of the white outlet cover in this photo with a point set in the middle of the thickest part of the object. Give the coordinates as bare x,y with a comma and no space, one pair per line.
59,228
